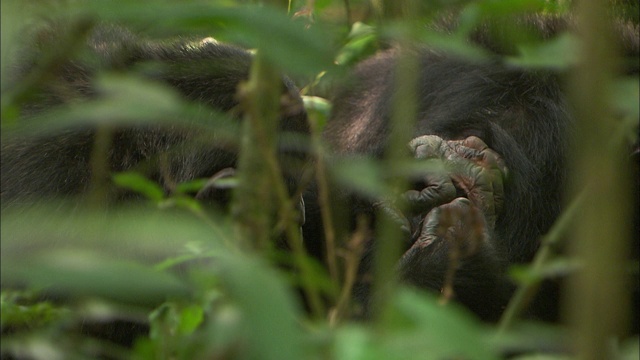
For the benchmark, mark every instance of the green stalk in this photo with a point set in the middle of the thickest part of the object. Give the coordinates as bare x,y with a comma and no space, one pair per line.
261,196
596,304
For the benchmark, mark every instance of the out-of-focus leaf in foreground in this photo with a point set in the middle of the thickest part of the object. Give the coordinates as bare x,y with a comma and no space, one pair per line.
559,53
286,43
128,100
420,328
75,252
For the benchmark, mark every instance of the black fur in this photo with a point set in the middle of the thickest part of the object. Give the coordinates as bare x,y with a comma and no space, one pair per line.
205,72
522,114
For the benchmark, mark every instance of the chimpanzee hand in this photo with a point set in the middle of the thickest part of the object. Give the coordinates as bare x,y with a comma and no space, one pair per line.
451,249
453,254
472,170
449,232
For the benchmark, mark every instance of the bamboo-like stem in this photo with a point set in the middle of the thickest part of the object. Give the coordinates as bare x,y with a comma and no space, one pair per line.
261,195
253,201
388,234
324,197
596,305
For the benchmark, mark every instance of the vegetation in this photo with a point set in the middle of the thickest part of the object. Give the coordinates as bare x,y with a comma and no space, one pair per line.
213,285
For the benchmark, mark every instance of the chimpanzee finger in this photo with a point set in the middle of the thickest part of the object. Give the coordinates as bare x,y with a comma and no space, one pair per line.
458,224
485,154
479,172
428,147
436,188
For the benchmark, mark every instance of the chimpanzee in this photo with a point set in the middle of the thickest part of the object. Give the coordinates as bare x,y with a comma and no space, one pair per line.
502,132
202,71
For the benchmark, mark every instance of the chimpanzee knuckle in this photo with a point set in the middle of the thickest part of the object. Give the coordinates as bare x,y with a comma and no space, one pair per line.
437,189
468,153
475,142
427,146
426,199
493,160
458,205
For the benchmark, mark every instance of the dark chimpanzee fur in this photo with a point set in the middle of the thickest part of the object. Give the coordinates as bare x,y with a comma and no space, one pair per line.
204,71
521,114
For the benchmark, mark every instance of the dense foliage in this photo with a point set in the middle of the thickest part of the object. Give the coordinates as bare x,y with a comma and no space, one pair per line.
211,284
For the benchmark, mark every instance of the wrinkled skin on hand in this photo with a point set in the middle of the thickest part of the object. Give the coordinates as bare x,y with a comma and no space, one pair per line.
472,170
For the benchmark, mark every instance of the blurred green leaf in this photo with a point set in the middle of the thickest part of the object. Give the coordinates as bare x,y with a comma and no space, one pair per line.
133,233
543,357
362,42
526,274
506,8
24,308
356,343
446,331
453,44
533,339
364,175
128,100
369,176
285,42
140,184
191,186
420,329
624,97
82,273
190,318
630,349
559,53
269,307
319,107
83,253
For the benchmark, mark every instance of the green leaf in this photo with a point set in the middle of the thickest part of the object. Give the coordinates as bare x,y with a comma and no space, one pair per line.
191,186
526,274
529,337
362,42
86,253
369,176
140,184
190,318
285,42
559,53
25,308
427,330
624,97
356,343
317,106
269,309
126,100
81,273
361,174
